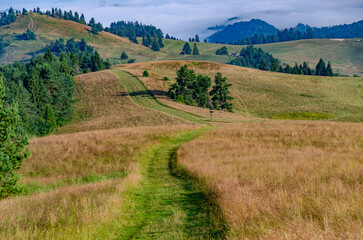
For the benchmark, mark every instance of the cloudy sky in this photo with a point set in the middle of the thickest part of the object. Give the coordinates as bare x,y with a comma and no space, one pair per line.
185,18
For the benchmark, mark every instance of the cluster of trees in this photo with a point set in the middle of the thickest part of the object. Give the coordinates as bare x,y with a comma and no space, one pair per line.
96,27
44,91
60,45
132,30
196,90
12,145
28,35
187,50
194,39
58,13
281,36
222,51
354,30
84,58
257,58
7,17
154,43
167,36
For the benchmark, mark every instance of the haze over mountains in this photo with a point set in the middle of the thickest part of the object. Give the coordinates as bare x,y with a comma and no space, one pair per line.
247,29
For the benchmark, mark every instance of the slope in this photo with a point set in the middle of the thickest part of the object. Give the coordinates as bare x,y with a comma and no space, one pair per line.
267,94
346,56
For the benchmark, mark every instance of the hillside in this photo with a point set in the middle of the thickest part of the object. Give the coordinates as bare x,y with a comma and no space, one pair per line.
346,57
271,95
242,30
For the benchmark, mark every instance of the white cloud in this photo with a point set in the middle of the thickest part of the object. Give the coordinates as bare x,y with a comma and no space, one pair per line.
184,19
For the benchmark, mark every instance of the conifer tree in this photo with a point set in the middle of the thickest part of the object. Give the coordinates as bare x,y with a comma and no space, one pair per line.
197,38
124,55
186,49
12,146
320,68
220,93
155,46
329,70
195,49
263,65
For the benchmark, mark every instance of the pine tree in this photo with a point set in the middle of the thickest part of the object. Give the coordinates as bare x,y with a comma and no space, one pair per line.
186,49
12,146
124,55
263,66
275,65
197,38
195,49
320,68
329,70
221,93
155,46
82,20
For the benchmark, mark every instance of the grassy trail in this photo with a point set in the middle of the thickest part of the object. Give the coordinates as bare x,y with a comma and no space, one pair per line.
143,97
168,204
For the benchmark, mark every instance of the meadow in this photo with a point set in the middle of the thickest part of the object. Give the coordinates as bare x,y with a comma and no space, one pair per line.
268,95
283,179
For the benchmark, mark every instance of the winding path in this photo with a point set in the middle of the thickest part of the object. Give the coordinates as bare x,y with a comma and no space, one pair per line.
142,96
168,204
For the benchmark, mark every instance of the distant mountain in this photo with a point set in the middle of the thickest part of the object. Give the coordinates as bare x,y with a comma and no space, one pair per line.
354,30
242,30
301,27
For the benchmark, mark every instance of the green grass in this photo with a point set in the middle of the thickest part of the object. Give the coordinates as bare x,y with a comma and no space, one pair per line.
303,116
169,204
143,97
34,187
345,56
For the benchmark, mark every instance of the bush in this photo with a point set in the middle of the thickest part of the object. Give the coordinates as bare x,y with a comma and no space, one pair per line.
145,74
132,60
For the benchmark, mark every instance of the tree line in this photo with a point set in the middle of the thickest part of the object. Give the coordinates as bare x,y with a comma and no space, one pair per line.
197,90
281,36
257,58
7,17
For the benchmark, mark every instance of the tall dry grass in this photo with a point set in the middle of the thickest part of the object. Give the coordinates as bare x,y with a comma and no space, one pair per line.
284,179
267,94
104,103
79,211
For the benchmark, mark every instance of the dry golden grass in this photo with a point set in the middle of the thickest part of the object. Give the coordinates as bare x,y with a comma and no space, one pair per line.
104,103
78,209
284,179
81,154
268,94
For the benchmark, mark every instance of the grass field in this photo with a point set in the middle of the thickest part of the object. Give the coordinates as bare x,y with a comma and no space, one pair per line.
103,103
284,179
346,56
270,95
76,187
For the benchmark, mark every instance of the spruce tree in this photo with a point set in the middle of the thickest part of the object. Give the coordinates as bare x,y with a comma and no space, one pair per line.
124,55
12,146
197,38
195,49
220,93
155,46
320,68
263,66
329,70
186,49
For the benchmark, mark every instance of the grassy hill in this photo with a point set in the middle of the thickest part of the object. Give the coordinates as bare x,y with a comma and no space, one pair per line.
270,95
346,56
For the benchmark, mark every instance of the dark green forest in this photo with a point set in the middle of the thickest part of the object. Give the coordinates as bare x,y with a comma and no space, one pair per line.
257,58
44,88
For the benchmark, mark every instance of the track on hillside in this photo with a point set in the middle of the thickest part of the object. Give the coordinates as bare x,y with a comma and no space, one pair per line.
142,96
169,204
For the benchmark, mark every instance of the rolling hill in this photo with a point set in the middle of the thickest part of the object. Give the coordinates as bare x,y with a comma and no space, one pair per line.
346,57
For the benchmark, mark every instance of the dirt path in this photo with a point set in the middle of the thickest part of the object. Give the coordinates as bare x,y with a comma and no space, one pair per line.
142,96
168,204
31,23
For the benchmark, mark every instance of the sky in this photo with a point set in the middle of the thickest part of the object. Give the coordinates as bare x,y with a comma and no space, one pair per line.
185,18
